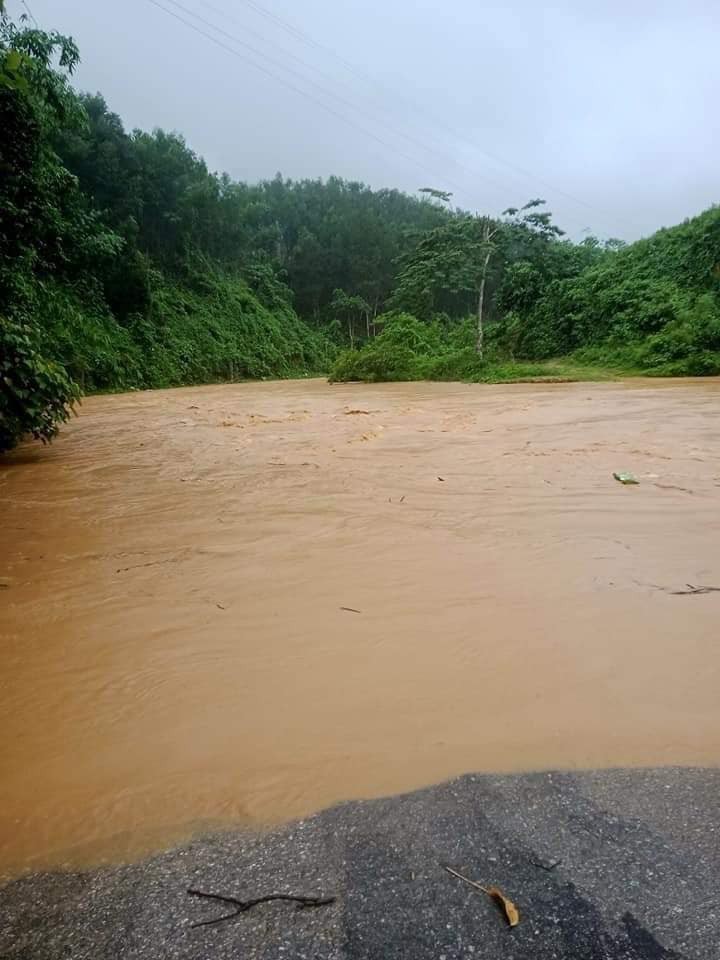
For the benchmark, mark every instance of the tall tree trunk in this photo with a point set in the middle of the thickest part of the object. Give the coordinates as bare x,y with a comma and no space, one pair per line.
481,307
487,235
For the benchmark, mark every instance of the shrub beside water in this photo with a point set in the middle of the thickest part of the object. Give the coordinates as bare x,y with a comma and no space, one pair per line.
410,349
37,395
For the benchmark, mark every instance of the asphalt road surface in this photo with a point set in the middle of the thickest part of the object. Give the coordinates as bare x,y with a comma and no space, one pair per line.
602,866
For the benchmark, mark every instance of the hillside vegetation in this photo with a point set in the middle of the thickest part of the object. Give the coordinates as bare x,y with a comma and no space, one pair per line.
652,307
125,263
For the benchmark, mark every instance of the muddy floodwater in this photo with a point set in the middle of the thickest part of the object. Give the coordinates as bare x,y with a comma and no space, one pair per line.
239,604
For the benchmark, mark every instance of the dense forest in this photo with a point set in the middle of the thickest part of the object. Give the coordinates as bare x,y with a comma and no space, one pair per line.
125,263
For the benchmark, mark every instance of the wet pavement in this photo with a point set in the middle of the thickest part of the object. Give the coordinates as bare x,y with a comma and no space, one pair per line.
602,866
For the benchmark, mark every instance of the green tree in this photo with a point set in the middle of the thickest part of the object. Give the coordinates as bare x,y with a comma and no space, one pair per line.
46,231
36,395
448,271
352,310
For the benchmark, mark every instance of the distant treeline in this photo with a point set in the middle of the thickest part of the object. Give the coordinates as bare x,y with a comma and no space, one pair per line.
125,263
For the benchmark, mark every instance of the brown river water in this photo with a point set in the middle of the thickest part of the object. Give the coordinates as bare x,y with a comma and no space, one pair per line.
239,604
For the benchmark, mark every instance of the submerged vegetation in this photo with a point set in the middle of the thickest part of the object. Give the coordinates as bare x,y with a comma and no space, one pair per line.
125,263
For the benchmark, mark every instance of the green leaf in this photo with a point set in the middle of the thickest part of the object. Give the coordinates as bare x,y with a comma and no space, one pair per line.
13,61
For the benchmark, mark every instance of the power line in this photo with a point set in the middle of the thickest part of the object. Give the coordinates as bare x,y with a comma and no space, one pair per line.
343,117
358,72
296,89
30,13
353,106
294,32
331,94
306,38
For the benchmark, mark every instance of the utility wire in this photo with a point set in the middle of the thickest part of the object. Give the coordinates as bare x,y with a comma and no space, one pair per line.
331,80
296,89
30,14
331,94
306,38
328,78
434,173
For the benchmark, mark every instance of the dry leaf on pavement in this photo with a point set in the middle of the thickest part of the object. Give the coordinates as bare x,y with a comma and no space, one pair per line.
512,914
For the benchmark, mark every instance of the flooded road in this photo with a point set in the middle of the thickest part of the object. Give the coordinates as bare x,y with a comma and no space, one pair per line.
242,603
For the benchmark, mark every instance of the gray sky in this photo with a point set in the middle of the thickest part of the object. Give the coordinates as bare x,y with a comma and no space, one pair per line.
607,109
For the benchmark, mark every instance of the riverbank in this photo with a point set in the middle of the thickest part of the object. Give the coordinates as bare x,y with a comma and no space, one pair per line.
406,349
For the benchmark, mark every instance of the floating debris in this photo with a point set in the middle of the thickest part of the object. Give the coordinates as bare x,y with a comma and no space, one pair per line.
624,476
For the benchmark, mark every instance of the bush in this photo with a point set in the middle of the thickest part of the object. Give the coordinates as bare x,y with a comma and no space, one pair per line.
36,394
688,346
665,288
377,363
76,330
403,351
186,336
462,364
221,333
409,349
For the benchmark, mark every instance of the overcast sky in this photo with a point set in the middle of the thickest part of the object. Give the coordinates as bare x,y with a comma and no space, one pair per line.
608,109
